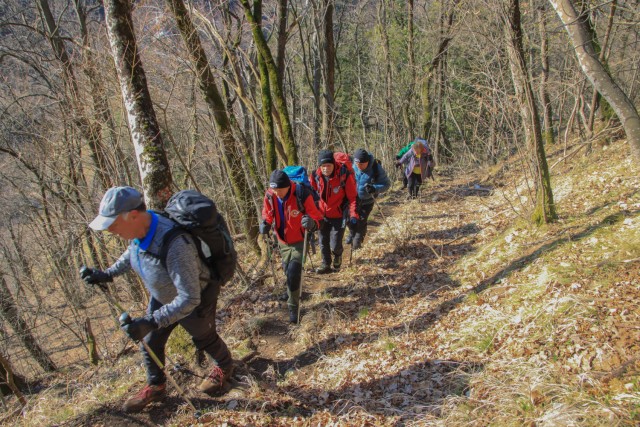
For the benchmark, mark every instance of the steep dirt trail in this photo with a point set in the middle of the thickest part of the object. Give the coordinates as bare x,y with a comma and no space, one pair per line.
422,237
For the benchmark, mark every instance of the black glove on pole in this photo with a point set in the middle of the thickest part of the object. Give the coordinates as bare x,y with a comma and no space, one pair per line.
264,227
308,223
93,276
139,327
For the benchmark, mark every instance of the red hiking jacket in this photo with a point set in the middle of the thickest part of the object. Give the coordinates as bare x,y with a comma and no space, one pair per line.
336,192
293,230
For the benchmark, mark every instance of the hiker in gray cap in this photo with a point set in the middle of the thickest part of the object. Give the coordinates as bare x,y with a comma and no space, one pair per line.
175,290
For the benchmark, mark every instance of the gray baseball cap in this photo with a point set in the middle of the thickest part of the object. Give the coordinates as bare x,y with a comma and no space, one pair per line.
114,202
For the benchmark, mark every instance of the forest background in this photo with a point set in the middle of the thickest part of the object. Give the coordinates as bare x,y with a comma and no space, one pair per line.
215,94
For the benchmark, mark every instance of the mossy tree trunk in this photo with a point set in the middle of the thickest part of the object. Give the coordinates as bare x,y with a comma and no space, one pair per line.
329,66
547,113
153,165
544,211
265,89
206,81
277,90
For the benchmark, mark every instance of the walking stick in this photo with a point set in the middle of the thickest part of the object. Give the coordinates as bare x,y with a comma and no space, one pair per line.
304,253
268,242
125,319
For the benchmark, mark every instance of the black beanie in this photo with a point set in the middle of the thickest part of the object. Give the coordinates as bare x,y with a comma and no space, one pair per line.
325,156
361,156
279,179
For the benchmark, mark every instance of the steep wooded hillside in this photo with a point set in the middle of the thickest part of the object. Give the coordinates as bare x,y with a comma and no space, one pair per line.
456,312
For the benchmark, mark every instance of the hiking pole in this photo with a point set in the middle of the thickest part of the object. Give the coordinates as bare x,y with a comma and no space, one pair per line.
267,241
304,252
125,319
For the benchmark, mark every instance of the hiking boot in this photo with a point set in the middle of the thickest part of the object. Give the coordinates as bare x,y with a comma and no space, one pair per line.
349,239
337,262
323,269
217,381
150,393
293,315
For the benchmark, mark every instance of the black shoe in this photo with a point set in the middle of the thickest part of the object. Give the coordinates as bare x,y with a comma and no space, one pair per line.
293,315
323,269
337,262
284,297
349,239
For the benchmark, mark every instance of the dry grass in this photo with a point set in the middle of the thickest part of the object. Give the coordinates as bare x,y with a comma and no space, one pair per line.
457,312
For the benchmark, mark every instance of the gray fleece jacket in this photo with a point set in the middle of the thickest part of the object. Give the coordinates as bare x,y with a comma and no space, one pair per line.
178,286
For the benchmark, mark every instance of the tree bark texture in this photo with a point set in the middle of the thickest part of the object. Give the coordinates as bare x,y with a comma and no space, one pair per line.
545,210
598,75
10,381
153,165
278,92
206,81
329,113
547,113
11,315
265,89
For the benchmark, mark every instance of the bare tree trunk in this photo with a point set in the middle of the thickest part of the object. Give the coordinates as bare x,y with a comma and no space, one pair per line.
391,124
598,75
278,92
407,102
282,38
10,313
232,156
265,89
153,165
548,135
602,55
545,210
89,132
12,380
329,113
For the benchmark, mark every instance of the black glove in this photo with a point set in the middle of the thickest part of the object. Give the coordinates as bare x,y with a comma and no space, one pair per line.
139,327
369,188
265,227
93,276
309,223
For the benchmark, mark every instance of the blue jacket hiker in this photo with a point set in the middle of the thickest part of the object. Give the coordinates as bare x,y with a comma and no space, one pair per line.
371,180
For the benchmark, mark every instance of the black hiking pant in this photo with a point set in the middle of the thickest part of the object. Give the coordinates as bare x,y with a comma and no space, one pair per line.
414,183
330,239
200,324
359,231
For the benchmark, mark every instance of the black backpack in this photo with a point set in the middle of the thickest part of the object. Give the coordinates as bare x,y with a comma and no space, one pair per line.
196,214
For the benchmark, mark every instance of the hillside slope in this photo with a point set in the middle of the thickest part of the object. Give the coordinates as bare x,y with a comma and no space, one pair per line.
456,312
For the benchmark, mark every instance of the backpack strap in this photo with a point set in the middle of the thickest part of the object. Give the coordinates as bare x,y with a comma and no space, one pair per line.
376,170
301,196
